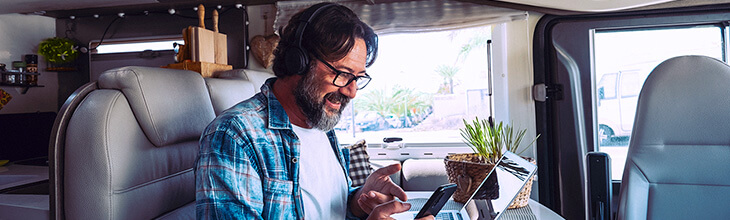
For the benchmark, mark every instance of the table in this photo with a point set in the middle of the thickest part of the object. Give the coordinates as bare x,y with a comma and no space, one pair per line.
16,175
23,206
534,210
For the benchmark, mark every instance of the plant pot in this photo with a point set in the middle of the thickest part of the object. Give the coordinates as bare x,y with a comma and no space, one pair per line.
61,67
467,171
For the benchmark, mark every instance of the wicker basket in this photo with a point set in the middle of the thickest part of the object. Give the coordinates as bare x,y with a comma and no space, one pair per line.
524,196
468,171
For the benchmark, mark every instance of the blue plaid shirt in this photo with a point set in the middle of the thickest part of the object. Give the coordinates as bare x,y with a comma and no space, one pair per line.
247,167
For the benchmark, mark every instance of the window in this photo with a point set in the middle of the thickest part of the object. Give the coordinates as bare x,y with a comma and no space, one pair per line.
143,51
423,85
628,56
135,45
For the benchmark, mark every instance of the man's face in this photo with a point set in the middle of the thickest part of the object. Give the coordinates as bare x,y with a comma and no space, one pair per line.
320,100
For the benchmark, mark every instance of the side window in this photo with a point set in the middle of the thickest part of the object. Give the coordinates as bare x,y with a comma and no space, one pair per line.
633,53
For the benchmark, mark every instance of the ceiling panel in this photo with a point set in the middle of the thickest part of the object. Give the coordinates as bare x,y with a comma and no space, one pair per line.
30,6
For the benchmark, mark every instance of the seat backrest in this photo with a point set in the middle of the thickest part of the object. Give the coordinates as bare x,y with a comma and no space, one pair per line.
126,149
676,167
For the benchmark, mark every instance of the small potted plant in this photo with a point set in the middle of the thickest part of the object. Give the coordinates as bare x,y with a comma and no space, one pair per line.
488,141
58,51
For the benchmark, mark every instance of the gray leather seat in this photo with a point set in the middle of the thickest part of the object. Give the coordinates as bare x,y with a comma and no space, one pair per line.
124,147
677,165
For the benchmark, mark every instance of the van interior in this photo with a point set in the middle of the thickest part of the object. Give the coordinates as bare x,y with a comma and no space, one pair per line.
102,102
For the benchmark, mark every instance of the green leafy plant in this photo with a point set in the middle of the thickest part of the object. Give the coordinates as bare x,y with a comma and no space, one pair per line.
490,141
58,50
513,137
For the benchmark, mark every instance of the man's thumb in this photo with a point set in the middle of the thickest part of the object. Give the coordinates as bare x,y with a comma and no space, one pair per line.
385,210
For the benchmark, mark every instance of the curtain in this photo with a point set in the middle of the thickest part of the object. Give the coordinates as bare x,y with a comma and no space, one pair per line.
411,16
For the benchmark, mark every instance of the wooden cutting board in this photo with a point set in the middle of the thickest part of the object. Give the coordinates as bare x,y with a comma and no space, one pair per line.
203,40
221,42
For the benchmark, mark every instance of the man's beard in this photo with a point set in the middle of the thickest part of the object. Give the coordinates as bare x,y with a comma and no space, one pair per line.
306,94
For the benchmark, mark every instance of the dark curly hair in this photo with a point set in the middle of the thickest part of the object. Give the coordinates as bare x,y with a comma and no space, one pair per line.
329,36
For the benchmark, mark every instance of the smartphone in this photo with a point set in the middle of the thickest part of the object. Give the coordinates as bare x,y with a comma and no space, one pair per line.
437,200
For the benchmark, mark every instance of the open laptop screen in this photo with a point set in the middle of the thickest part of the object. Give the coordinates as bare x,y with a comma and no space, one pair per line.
502,186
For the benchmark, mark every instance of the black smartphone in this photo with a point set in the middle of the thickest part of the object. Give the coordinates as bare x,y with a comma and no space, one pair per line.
437,200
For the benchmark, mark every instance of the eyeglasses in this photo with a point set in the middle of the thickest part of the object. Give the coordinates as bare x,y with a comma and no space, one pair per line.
343,78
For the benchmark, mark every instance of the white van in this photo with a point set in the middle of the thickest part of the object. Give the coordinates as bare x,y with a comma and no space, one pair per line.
617,96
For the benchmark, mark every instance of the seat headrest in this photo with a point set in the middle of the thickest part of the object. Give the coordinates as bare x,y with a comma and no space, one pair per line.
170,105
685,97
225,93
257,77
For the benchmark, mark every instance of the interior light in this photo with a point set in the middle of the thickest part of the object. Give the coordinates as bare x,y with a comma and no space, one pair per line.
96,15
72,17
121,14
239,6
171,11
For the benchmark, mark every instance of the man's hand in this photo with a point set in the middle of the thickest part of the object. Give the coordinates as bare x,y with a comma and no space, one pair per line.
383,211
378,189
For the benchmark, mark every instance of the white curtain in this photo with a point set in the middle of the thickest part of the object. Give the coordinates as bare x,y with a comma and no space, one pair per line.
411,16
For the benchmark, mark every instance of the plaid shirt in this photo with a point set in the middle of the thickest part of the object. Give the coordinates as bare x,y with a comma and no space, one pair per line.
247,167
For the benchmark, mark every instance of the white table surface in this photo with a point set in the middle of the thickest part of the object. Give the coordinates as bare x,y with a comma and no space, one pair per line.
540,211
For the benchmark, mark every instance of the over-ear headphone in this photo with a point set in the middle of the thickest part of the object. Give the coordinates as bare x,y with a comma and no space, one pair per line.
297,60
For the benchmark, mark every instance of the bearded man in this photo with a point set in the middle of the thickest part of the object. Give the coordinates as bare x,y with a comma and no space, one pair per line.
275,156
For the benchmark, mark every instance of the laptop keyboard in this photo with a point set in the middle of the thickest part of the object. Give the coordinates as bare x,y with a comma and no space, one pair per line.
417,204
445,216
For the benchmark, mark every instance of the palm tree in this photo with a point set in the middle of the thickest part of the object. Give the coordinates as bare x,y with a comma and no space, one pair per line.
375,100
406,101
475,42
403,103
448,73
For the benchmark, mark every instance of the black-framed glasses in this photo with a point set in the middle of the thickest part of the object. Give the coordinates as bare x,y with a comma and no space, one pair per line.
343,78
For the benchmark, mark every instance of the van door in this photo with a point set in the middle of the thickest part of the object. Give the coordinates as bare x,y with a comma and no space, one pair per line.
629,87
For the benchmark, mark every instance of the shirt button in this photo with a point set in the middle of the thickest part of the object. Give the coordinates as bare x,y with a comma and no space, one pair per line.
294,160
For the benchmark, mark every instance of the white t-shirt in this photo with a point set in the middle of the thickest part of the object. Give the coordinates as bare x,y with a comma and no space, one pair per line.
321,177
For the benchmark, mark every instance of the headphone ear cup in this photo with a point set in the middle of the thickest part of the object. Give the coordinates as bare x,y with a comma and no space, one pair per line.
296,61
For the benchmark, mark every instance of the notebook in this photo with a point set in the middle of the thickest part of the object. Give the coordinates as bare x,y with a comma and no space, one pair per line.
494,195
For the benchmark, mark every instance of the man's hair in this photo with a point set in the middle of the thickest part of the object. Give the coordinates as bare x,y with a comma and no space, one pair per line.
329,36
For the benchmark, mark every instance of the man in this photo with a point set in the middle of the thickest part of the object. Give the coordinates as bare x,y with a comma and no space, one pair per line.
275,156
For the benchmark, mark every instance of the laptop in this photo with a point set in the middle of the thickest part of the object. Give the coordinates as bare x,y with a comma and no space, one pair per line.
494,195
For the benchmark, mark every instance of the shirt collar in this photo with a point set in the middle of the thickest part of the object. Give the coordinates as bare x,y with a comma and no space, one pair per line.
278,118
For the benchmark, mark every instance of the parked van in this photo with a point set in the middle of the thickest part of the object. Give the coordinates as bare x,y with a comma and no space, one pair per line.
617,96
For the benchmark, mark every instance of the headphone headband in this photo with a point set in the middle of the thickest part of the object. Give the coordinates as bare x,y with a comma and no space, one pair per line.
296,57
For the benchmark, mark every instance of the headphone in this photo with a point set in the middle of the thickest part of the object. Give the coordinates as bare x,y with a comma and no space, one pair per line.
297,60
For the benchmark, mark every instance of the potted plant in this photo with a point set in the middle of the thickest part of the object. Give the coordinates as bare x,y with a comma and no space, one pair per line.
488,141
58,51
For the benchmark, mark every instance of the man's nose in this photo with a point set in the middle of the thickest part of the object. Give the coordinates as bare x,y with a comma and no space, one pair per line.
350,90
